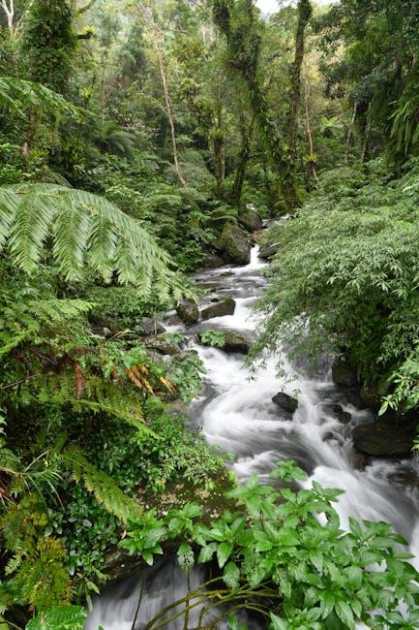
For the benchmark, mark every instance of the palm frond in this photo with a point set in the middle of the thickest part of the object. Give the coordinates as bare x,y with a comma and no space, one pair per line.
85,230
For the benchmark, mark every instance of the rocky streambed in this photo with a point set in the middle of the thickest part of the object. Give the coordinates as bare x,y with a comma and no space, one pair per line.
261,416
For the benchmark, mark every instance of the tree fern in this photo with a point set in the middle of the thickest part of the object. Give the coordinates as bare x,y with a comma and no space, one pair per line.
20,94
59,618
86,231
104,488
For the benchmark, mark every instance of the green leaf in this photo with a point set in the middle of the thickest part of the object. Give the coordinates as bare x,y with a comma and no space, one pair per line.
277,623
345,614
206,553
231,575
224,551
59,618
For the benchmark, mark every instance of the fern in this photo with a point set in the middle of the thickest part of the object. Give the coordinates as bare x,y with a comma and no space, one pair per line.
86,231
59,618
104,488
20,94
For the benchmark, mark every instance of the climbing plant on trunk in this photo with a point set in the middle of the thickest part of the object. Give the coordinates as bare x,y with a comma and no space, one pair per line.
241,27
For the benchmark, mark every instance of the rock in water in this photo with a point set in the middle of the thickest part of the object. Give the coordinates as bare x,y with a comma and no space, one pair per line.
235,244
285,402
250,220
161,345
234,342
188,312
149,326
389,436
338,412
219,309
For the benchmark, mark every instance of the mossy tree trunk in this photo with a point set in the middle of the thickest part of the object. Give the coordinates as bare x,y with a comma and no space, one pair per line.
241,27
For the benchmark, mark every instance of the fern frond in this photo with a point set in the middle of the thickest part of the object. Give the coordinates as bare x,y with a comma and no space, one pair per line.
102,486
86,231
19,94
59,618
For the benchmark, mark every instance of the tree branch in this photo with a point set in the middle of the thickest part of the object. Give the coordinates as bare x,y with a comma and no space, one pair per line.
86,7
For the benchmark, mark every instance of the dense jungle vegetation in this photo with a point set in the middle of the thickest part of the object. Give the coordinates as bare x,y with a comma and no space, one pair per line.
136,141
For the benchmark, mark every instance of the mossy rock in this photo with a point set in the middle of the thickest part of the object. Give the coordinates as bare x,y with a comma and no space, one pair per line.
250,220
235,244
188,312
219,309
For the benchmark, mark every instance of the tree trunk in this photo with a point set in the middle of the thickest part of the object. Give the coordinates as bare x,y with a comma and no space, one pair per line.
246,133
169,112
244,59
217,137
311,163
304,14
9,9
350,131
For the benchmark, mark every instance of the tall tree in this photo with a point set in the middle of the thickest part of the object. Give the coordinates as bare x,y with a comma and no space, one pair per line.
304,14
238,20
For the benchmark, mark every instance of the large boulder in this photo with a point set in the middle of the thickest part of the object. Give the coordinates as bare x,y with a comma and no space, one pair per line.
388,436
212,261
162,345
148,326
285,402
235,244
343,373
188,312
233,342
219,309
250,220
268,250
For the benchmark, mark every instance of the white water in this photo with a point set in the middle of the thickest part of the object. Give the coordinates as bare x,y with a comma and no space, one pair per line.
238,416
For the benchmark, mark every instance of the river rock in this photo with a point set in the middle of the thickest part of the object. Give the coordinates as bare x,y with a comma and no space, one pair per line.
212,261
388,436
234,342
219,309
343,373
285,402
268,250
235,244
338,412
250,220
188,312
148,326
161,345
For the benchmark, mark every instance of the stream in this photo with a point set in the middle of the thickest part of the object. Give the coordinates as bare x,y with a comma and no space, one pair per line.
236,414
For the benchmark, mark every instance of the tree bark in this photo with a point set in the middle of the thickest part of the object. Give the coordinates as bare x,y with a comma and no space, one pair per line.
304,15
169,112
350,131
9,9
244,59
219,148
311,165
246,133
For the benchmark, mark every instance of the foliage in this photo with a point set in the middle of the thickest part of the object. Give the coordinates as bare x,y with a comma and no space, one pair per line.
348,265
48,43
93,99
59,618
214,338
283,554
86,231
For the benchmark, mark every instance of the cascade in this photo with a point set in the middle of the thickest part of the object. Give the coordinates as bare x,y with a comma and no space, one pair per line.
236,413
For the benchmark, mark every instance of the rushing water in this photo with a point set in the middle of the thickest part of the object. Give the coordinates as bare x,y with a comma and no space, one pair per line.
236,413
